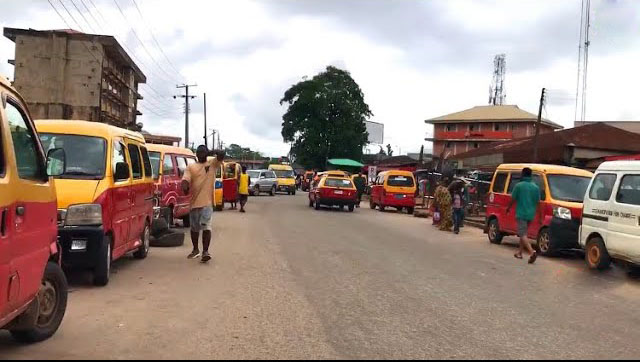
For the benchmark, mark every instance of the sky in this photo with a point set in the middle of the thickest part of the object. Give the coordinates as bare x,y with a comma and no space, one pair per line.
414,60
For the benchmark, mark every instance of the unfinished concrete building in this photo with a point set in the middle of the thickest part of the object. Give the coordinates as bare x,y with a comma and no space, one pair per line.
65,74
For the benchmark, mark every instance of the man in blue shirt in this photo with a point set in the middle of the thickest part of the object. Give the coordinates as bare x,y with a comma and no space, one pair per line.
526,196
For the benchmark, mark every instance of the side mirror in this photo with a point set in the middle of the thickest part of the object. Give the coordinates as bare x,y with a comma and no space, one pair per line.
56,162
122,171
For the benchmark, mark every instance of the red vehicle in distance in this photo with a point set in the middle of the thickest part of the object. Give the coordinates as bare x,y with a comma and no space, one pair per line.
168,164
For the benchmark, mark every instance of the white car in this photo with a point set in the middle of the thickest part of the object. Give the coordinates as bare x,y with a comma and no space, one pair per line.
262,181
611,219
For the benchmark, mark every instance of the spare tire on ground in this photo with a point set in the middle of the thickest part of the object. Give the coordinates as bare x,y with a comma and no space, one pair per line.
159,226
168,239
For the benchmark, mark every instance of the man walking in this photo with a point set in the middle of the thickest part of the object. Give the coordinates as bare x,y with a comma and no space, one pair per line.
199,178
526,196
243,188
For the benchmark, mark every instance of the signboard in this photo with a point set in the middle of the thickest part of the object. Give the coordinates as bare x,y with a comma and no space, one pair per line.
376,132
373,172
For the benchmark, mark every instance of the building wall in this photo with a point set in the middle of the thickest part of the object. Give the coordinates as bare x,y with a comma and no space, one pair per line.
485,133
58,77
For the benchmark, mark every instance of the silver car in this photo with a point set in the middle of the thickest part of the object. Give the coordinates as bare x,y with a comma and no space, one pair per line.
262,181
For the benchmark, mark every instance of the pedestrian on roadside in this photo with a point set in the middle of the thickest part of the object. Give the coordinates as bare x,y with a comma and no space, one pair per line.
243,188
361,184
458,204
526,197
443,204
199,178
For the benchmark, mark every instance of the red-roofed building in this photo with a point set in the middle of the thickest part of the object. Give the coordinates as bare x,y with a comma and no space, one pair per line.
476,127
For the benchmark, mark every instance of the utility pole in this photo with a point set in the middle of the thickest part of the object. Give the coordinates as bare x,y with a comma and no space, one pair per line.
538,125
186,97
206,142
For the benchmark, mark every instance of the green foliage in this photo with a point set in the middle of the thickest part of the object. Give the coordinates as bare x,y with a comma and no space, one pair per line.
237,152
325,119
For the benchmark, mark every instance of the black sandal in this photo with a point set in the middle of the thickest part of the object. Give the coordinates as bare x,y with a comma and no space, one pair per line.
533,257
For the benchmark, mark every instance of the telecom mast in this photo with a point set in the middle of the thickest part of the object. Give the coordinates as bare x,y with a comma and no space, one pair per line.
497,92
583,62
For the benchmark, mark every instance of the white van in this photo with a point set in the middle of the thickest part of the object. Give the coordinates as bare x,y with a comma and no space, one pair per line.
611,218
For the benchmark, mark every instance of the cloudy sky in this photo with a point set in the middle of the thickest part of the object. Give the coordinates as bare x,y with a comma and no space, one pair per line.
413,59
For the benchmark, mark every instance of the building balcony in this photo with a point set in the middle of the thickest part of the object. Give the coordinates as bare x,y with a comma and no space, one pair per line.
474,136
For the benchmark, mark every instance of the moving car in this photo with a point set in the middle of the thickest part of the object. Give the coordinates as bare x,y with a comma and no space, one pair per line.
286,178
167,164
394,189
610,223
105,194
333,191
33,287
262,181
557,223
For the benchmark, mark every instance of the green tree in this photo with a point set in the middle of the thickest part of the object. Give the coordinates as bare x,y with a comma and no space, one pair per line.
238,152
325,118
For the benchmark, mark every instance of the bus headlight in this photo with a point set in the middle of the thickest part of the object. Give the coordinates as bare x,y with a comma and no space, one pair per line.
83,215
562,213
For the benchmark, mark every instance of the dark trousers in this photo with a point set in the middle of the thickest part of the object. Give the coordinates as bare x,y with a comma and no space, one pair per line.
458,215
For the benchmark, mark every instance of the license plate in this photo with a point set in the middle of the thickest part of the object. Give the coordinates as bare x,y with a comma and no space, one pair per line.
400,196
338,192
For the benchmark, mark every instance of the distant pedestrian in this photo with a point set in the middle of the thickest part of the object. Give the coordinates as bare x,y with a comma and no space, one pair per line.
526,197
443,203
243,188
199,179
458,208
360,183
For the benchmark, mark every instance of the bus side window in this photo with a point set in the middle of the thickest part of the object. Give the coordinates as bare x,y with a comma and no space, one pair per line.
500,182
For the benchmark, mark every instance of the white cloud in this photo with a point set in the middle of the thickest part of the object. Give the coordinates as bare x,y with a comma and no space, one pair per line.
413,60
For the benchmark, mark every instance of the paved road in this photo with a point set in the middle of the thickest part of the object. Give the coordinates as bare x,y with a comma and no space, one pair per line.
291,282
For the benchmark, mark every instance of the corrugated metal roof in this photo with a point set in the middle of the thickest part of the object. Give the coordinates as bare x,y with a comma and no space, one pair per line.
492,113
595,136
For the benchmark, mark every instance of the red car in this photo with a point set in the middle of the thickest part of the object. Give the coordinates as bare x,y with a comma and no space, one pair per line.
333,191
168,164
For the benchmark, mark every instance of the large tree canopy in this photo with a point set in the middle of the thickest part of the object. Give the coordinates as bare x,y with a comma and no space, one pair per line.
326,118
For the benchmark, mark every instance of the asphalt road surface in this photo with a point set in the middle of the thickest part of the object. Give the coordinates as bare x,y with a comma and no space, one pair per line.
291,282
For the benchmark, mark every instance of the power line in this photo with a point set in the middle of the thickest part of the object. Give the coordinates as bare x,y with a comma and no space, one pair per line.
81,28
155,39
83,17
70,27
135,34
129,51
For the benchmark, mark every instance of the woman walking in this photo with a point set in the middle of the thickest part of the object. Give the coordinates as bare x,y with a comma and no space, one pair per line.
443,202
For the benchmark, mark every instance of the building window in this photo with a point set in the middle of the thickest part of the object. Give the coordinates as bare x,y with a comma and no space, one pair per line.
476,145
474,127
499,127
449,144
451,127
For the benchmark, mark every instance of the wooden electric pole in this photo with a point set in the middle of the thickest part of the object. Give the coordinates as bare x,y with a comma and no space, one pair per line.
538,125
186,97
206,142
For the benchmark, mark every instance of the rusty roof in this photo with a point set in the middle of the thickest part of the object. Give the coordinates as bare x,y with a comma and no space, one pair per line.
507,113
595,136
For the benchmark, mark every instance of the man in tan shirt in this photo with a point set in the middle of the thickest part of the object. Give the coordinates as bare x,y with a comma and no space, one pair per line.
199,179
